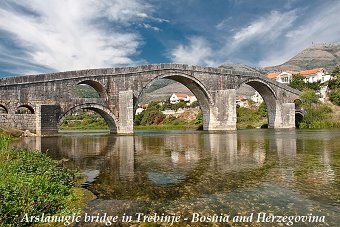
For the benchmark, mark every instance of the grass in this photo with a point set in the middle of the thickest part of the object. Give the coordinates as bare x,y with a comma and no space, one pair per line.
32,183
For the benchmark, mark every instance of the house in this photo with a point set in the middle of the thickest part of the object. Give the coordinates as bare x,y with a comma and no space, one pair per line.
310,76
241,101
257,98
192,99
178,97
315,75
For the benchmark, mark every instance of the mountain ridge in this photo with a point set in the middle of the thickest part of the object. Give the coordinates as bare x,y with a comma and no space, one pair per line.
319,55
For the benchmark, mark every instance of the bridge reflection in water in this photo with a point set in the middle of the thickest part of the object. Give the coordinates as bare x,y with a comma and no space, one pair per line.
167,170
149,151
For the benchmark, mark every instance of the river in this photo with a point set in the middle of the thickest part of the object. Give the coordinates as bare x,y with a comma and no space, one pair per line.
242,176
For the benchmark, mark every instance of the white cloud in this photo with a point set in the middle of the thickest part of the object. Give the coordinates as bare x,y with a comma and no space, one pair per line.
267,28
148,26
69,34
124,11
197,52
320,27
223,24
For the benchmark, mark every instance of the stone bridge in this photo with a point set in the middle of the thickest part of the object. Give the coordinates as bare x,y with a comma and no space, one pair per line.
51,97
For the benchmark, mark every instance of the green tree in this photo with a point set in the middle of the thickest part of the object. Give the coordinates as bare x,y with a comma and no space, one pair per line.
334,83
308,98
334,86
298,82
262,110
334,96
316,113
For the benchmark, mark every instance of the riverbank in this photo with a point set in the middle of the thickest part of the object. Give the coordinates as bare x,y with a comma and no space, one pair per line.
33,184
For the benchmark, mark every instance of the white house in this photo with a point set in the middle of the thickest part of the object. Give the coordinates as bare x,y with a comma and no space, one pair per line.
192,99
310,76
257,98
241,101
178,97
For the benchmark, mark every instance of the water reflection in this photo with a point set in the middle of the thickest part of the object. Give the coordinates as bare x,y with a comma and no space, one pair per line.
181,171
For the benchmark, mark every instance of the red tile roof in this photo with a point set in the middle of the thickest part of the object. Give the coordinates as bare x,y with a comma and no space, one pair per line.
181,95
309,72
273,75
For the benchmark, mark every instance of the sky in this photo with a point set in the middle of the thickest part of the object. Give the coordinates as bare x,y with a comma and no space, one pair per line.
43,36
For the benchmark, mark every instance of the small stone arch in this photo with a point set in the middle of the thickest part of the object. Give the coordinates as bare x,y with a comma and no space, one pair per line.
299,113
110,119
269,96
204,99
24,109
3,109
97,86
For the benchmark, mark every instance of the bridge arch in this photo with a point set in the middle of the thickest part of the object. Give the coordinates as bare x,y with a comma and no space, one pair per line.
299,113
269,96
24,109
110,119
3,109
100,89
204,99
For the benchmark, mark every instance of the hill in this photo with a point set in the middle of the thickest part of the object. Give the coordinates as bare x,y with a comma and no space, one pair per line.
316,56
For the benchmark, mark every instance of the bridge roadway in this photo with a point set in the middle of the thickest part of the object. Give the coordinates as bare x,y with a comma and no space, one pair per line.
51,97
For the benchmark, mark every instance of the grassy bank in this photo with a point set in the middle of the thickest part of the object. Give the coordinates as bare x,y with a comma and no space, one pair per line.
31,183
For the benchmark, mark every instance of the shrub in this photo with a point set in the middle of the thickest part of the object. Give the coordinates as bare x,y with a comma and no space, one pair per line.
199,119
316,113
153,116
334,96
31,183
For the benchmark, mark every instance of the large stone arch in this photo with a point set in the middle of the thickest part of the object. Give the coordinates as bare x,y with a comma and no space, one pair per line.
100,109
269,96
97,86
204,99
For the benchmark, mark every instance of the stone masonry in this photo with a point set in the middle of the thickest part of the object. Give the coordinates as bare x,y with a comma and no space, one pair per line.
50,97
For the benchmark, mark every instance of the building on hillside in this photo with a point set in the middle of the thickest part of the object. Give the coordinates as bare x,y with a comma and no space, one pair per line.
178,97
257,98
242,101
310,76
315,75
281,77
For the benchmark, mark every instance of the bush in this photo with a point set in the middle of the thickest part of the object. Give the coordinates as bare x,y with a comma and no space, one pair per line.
316,113
32,183
334,83
298,83
334,96
199,119
153,116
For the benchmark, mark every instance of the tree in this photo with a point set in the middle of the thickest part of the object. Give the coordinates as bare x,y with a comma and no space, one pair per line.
334,96
298,82
334,83
315,112
308,98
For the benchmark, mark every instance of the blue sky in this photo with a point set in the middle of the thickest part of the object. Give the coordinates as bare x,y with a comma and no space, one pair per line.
40,36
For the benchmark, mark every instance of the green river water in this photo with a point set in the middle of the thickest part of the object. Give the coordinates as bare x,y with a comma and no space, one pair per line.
251,177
